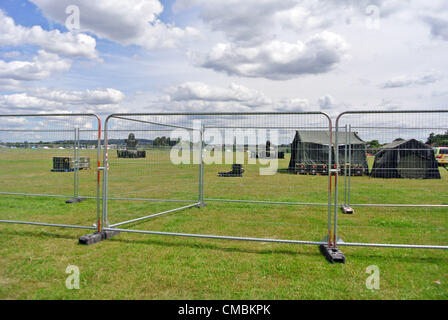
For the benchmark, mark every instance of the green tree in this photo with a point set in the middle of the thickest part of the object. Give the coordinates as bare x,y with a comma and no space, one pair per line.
438,139
164,141
374,144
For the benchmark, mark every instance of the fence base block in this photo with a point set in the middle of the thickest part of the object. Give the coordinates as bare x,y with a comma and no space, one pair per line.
91,238
201,205
109,234
75,200
97,237
332,254
347,209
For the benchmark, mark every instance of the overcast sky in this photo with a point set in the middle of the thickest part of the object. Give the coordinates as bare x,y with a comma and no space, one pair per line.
214,55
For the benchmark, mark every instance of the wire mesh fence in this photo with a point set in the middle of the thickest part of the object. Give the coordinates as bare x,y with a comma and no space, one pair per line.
392,177
52,157
140,169
263,177
164,163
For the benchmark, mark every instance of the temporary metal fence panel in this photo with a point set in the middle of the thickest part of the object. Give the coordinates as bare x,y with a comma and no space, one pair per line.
160,164
52,156
289,154
390,176
140,169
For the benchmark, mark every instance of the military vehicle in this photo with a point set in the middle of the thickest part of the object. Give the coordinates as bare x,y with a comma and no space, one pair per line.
131,151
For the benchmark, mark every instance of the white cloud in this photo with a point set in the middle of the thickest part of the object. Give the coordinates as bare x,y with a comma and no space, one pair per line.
125,22
42,99
438,26
326,102
205,92
257,42
293,105
202,97
257,21
92,97
407,81
279,60
9,84
24,101
67,44
241,21
41,67
300,18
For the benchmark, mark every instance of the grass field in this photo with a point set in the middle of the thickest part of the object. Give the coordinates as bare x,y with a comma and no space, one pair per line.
33,260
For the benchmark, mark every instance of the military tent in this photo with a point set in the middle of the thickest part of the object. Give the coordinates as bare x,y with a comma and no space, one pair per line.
311,148
409,159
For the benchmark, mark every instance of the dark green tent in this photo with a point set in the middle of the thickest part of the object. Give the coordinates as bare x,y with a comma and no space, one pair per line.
311,147
356,154
409,159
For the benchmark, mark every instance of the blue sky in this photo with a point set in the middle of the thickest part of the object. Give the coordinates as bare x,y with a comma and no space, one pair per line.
24,13
197,55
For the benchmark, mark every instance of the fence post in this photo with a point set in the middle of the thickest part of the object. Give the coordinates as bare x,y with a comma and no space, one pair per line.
101,234
77,147
345,164
335,220
329,250
75,164
76,160
330,174
349,161
346,208
99,169
201,168
105,172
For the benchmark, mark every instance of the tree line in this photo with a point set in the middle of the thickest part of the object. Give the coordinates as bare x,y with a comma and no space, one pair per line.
438,139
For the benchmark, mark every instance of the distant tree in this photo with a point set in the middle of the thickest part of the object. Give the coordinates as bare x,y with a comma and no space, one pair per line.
164,141
172,142
374,144
398,139
431,139
438,139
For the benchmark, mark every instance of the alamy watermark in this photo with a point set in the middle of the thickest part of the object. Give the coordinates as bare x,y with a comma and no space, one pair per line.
72,23
373,281
226,146
368,17
72,281
373,17
72,19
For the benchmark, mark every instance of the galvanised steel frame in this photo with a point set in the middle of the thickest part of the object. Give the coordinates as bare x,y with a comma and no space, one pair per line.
76,193
332,240
105,176
201,200
97,224
347,184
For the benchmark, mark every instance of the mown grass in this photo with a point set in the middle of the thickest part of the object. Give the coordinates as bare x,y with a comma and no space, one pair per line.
33,260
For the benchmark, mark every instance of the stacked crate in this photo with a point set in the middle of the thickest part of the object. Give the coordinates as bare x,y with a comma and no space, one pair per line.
67,164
